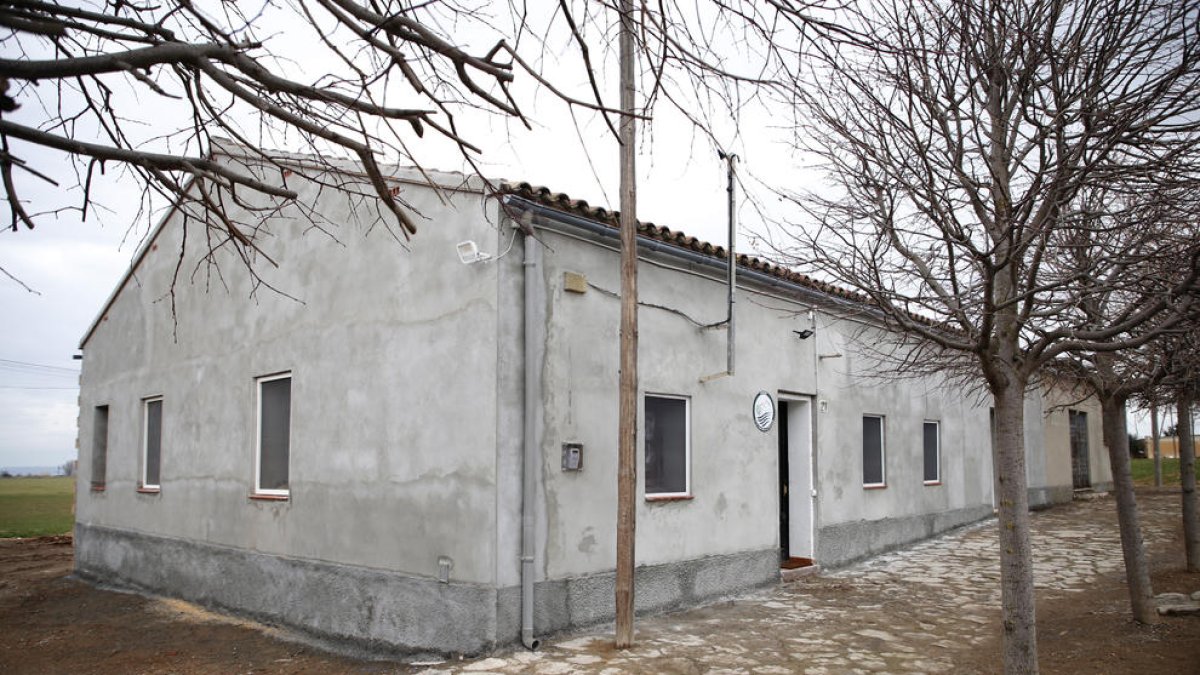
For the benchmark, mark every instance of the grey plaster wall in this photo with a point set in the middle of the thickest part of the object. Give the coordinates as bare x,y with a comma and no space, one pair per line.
393,354
734,500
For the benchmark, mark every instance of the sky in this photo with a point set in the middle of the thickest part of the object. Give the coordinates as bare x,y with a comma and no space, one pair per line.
67,268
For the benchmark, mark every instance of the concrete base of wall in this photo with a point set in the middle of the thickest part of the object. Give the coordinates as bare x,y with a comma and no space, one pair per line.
844,543
587,601
1047,496
355,607
359,609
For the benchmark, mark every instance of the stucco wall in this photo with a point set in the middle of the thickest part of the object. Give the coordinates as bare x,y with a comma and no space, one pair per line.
735,467
1059,401
855,521
392,460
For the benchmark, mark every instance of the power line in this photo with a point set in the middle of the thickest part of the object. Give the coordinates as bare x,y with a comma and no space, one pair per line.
27,368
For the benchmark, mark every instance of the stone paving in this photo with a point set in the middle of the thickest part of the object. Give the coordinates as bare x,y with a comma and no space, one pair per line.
912,610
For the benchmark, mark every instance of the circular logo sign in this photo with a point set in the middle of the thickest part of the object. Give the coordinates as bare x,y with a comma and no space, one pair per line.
764,411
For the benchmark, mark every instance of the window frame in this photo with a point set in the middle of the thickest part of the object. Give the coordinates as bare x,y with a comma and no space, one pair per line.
259,491
144,484
882,453
99,464
687,449
937,450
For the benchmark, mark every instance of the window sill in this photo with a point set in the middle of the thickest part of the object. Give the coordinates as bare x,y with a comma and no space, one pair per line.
933,483
97,488
669,498
875,487
269,498
142,490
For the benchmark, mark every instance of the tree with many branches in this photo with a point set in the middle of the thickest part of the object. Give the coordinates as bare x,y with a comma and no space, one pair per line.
970,144
151,88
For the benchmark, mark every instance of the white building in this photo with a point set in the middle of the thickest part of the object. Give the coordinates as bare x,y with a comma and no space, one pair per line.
351,460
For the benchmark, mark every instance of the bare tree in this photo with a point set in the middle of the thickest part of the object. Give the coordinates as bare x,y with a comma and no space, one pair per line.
151,87
968,150
1181,356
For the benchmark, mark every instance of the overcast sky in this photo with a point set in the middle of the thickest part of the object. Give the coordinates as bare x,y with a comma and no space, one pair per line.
71,267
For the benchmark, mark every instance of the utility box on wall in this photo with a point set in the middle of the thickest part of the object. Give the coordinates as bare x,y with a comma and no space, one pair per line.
572,457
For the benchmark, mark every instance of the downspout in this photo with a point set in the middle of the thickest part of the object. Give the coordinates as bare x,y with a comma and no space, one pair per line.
731,272
535,333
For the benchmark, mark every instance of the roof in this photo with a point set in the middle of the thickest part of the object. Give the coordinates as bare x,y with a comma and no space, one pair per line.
562,202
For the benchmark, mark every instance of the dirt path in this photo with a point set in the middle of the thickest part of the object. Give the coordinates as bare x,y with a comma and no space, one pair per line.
929,608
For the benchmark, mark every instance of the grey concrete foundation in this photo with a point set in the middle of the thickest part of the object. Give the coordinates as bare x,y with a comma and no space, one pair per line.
385,612
372,609
586,601
1045,497
844,543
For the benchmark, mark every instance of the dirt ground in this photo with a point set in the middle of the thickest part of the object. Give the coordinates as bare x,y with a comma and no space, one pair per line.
50,623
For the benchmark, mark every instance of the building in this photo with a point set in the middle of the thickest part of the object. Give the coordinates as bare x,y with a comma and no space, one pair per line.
415,450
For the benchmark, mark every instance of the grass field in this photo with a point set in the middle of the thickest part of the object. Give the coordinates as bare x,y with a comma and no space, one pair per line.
34,507
1143,471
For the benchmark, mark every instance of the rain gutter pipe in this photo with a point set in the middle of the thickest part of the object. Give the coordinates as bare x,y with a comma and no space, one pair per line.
535,344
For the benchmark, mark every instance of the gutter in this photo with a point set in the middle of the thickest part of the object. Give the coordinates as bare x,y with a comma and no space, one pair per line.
810,295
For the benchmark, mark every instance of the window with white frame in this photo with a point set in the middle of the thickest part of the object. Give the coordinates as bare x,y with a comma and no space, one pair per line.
99,446
933,453
273,437
873,451
152,419
667,430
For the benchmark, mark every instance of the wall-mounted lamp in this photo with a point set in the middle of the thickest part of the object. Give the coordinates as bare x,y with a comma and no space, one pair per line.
469,253
803,334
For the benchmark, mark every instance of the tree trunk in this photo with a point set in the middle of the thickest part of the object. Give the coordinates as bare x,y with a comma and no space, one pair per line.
1187,482
1019,637
1154,442
628,385
1137,569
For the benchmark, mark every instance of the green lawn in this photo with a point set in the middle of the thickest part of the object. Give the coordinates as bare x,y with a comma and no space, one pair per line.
1143,471
33,507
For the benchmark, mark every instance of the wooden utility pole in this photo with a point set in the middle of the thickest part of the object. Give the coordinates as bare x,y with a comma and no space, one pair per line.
627,429
1154,442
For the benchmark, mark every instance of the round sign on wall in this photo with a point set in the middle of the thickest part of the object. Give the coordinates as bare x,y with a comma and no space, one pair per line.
764,411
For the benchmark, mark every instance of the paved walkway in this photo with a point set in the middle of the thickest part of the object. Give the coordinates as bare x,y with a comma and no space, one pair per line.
913,610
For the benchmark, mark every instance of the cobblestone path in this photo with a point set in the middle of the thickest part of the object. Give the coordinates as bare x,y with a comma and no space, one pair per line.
913,610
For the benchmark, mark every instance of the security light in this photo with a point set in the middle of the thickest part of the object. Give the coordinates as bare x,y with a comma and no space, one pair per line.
803,334
469,253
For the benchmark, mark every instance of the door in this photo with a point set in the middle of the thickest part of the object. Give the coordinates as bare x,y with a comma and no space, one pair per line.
1081,476
795,478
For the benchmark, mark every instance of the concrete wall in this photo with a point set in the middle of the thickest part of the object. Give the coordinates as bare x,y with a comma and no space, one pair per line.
394,421
856,521
1058,401
734,501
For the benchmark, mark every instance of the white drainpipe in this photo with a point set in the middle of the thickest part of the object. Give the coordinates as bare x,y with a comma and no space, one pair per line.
535,342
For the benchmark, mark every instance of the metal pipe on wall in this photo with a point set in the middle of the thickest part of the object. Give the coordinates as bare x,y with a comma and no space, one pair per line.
535,331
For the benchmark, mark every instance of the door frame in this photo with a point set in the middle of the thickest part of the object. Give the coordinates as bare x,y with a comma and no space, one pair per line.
788,451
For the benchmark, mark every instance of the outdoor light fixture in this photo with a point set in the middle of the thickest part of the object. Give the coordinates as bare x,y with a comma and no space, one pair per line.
803,334
469,253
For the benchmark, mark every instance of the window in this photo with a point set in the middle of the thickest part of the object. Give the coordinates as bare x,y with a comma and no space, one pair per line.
873,474
151,442
274,435
99,446
933,453
668,446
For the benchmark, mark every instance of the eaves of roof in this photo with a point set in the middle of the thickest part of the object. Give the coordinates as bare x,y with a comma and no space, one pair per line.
578,207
